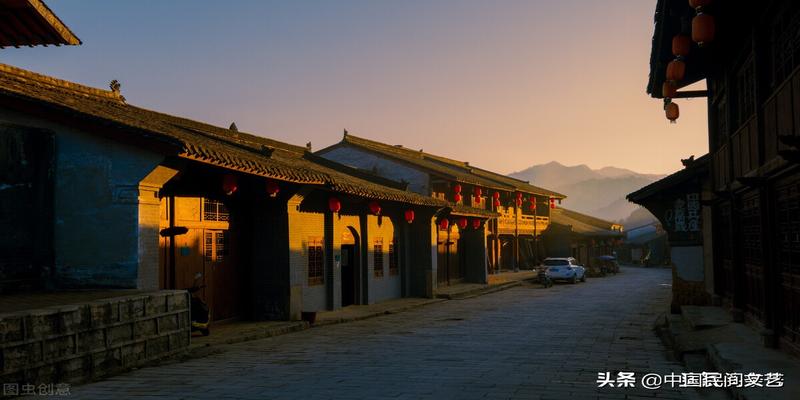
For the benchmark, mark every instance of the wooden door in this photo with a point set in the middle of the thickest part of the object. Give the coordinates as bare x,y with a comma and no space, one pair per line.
348,274
226,281
441,258
189,262
455,270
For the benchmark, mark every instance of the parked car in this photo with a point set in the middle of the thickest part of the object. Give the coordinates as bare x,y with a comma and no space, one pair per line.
565,269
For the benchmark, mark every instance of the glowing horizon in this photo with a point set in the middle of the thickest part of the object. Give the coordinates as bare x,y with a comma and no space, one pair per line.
504,85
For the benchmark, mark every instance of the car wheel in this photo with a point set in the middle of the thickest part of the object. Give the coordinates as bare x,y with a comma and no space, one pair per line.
574,279
583,278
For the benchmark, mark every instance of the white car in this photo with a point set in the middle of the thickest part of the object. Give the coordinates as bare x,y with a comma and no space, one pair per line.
566,269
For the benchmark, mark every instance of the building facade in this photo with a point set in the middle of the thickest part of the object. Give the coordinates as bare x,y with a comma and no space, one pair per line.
518,212
750,66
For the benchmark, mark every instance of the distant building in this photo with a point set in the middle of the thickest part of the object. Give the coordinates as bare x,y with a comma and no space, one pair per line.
31,23
519,212
572,234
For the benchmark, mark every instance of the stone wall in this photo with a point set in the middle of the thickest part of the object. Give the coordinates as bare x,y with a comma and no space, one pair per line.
76,343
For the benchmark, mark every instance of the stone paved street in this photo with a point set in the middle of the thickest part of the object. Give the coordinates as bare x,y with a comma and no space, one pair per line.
522,343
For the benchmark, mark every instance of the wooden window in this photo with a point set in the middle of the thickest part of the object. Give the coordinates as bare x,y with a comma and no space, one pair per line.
215,245
393,267
745,92
215,210
377,257
785,42
316,263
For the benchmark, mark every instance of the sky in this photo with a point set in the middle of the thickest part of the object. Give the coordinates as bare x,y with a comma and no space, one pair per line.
502,84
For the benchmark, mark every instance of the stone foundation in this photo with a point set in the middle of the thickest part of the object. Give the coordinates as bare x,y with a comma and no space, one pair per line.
76,343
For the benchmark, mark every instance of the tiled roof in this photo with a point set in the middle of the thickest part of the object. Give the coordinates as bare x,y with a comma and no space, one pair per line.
193,140
583,224
31,23
459,171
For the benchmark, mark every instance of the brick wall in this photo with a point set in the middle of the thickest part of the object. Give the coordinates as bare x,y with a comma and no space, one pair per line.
76,343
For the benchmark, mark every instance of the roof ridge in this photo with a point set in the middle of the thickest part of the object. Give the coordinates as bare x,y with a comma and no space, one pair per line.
61,83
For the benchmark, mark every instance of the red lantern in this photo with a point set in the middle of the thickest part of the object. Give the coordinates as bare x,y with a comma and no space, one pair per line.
676,71
519,196
668,90
409,216
518,202
496,203
443,224
374,207
476,223
703,29
553,202
477,192
457,188
229,184
334,204
672,111
457,197
533,205
462,222
699,3
496,195
272,188
681,44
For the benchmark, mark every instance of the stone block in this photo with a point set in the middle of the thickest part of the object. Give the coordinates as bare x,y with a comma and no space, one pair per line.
120,334
72,370
58,347
71,319
100,313
169,322
132,354
157,345
145,327
42,323
156,304
11,328
90,340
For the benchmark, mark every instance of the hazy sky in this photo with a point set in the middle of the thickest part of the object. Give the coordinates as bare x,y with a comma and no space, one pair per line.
502,84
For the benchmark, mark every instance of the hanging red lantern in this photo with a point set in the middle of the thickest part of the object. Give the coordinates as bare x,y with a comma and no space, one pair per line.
533,205
668,90
676,71
457,188
229,184
477,192
462,222
496,203
703,29
519,196
672,111
374,207
698,3
457,197
409,216
553,202
681,44
476,223
273,188
334,204
496,195
443,224
518,202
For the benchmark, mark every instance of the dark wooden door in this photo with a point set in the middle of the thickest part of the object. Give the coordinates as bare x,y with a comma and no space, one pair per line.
348,274
225,284
787,236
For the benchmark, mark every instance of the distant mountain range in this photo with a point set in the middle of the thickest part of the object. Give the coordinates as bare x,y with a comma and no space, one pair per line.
598,192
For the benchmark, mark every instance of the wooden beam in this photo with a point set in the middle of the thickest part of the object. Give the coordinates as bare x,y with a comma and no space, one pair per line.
691,94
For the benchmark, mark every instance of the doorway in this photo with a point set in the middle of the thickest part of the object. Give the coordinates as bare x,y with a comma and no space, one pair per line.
350,267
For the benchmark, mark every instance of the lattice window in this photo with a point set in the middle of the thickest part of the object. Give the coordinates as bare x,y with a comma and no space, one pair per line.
215,210
377,257
787,210
785,42
316,262
751,247
215,245
745,92
393,265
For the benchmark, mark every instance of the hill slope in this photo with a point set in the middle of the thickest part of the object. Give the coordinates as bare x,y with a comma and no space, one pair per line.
598,192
